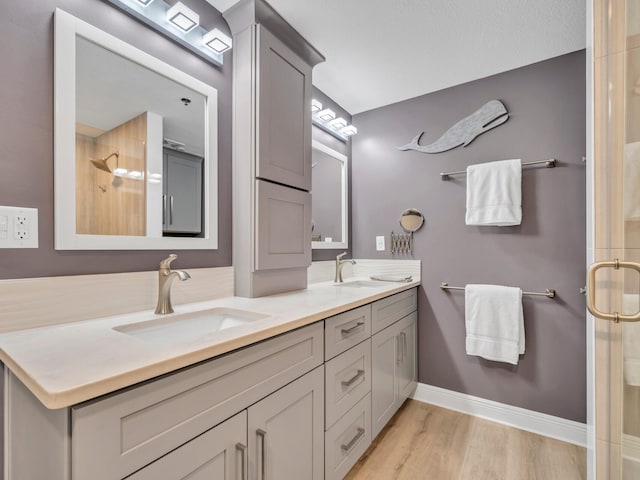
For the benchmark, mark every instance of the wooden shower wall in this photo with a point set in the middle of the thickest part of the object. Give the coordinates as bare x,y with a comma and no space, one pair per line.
107,204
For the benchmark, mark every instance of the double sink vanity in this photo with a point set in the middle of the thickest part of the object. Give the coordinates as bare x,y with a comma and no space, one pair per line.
291,386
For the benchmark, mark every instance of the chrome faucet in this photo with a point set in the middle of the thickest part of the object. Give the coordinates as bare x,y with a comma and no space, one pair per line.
339,265
165,278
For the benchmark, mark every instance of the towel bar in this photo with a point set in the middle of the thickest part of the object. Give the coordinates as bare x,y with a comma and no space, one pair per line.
550,163
550,293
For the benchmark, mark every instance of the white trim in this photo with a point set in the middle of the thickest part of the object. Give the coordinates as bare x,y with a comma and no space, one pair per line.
528,420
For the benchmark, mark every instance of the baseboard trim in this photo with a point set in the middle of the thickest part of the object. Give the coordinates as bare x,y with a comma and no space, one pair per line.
521,418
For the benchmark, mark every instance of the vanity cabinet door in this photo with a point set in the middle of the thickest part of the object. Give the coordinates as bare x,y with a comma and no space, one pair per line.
286,431
284,114
408,365
182,193
283,227
219,453
384,377
393,369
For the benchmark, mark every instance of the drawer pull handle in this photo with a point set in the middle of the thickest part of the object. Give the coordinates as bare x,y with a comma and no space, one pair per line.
352,380
263,464
243,458
348,331
348,446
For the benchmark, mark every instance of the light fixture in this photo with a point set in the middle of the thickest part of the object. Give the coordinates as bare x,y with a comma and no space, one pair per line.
179,23
338,123
120,172
217,41
182,17
326,114
135,174
349,130
316,106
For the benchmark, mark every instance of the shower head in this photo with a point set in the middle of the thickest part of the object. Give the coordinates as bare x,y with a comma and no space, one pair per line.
101,163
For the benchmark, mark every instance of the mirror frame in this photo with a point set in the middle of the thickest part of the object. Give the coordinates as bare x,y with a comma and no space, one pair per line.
345,197
67,28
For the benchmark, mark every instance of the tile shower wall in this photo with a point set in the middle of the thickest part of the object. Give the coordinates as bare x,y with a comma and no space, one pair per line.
546,103
26,133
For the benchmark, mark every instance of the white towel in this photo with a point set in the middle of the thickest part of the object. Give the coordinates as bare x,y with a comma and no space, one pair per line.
494,193
631,341
495,322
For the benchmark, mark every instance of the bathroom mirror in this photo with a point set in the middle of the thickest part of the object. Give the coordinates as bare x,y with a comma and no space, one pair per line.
329,194
411,220
135,147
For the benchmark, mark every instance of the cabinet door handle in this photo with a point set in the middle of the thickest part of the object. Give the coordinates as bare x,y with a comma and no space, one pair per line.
243,458
351,381
348,446
398,358
348,331
171,210
263,461
164,209
403,345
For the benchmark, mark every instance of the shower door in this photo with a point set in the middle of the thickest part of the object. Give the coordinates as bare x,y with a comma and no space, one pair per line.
614,243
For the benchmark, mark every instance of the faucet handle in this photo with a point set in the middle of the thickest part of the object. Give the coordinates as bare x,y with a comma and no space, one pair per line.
338,257
166,263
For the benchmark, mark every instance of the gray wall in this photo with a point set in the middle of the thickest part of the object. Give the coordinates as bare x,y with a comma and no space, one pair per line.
546,102
343,147
26,136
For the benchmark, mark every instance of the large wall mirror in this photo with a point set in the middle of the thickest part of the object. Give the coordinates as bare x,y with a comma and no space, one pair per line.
330,198
135,147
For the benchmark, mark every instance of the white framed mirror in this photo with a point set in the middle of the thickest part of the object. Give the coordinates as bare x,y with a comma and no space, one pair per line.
330,208
135,147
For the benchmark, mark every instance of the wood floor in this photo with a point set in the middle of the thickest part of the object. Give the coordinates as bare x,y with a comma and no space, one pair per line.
432,443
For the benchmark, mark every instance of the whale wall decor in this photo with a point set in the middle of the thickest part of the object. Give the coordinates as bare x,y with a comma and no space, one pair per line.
490,115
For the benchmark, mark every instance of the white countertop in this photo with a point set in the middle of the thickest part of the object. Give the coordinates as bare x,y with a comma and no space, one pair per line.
67,364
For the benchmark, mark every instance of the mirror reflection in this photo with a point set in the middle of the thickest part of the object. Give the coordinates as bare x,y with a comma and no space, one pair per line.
329,190
124,113
136,147
411,220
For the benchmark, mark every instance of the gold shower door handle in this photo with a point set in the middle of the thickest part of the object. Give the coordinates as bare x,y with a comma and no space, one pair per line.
591,291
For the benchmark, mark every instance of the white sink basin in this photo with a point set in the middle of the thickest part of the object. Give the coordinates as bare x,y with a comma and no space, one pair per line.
361,284
189,326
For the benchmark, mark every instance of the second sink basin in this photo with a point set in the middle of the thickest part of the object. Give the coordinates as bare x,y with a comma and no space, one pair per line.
189,326
361,284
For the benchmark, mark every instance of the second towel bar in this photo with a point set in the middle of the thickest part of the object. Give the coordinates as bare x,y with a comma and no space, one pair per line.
549,163
550,293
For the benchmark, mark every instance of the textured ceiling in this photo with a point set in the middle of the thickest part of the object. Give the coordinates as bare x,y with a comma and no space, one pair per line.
383,51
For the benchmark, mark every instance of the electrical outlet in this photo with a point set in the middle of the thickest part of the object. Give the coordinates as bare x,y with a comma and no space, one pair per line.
18,227
380,243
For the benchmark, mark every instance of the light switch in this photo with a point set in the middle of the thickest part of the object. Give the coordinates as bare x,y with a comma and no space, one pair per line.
380,243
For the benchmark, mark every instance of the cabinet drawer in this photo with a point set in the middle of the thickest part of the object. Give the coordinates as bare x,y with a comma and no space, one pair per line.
348,379
345,330
347,440
117,435
386,311
214,454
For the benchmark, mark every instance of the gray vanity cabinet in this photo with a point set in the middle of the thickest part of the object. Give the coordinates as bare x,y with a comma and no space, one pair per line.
286,431
393,356
219,453
284,119
182,193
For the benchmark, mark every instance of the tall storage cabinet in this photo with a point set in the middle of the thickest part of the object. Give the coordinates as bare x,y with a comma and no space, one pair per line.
271,151
181,193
